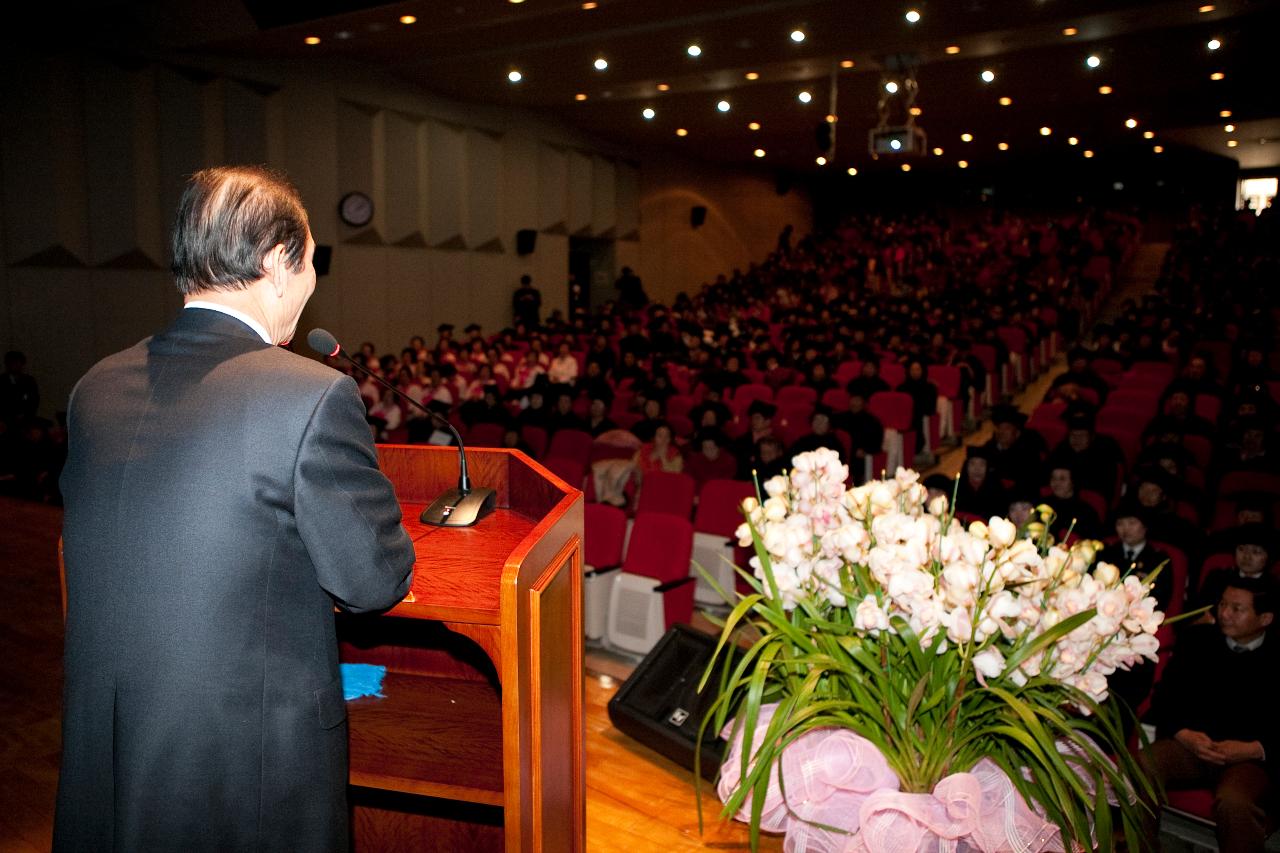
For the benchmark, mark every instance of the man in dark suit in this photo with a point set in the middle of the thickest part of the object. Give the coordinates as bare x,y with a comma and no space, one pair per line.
222,494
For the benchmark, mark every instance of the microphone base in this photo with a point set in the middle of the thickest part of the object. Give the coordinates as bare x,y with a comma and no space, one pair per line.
455,509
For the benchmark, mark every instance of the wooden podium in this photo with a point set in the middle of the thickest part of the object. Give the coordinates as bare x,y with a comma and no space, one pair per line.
478,743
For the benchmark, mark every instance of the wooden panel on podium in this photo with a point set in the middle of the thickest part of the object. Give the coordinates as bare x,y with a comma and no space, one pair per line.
478,743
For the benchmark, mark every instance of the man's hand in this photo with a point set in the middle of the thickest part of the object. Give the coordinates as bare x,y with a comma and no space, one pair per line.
1201,746
1235,751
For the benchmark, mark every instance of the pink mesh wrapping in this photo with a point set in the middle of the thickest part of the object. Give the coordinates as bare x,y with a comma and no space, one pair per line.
837,778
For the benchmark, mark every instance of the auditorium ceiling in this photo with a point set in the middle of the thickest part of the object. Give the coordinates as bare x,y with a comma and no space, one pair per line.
1071,76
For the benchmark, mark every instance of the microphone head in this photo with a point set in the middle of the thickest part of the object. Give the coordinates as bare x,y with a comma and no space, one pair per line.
323,342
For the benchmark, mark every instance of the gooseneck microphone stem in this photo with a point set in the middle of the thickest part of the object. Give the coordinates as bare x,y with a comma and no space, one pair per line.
445,511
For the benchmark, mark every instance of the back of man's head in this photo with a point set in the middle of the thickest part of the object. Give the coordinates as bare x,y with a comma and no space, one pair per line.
229,218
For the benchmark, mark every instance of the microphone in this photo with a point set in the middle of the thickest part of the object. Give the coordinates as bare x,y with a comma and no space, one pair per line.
460,507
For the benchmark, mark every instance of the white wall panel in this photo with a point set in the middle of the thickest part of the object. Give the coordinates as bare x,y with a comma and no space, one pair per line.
484,191
401,180
627,200
553,189
182,131
446,185
520,185
581,179
604,194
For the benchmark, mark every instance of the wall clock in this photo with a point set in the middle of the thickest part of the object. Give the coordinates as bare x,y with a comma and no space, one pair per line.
356,209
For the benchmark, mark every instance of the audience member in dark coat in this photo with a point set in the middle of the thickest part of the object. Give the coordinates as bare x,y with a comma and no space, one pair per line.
1135,554
709,460
746,447
924,394
866,434
1095,459
1255,549
867,382
820,436
1015,455
980,492
1072,512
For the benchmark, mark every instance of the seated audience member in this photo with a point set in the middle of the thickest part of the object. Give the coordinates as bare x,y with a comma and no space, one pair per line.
564,367
709,459
866,435
1215,727
711,412
562,415
759,426
487,410
1072,512
598,420
924,394
938,485
513,440
1178,416
1095,459
1249,449
820,435
1014,454
593,383
868,381
980,493
1080,374
535,412
652,411
659,453
1157,492
1255,548
386,414
819,379
771,459
1134,554
629,369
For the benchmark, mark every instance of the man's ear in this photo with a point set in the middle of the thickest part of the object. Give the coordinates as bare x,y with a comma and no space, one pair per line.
275,264
1265,619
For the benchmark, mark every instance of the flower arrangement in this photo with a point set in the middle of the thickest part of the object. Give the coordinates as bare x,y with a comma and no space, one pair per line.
912,678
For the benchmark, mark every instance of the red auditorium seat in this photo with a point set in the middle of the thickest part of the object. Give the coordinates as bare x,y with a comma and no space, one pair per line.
571,471
836,399
894,410
667,492
892,372
947,379
679,405
719,514
485,435
653,591
536,438
571,444
604,528
795,396
746,394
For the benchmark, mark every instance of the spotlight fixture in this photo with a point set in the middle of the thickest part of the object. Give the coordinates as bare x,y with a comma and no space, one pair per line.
1131,123
515,2
1093,60
723,106
906,167
1231,128
851,171
1214,44
581,96
988,76
693,50
752,75
759,152
1105,90
312,40
680,131
514,75
916,111
937,152
601,63
1045,131
411,19
1088,154
846,63
966,137
1006,101
952,49
1003,146
891,87
755,125
805,97
963,164
1231,143
1148,134
1071,140
1224,113
648,113
1158,149
797,36
663,87
1069,31
1207,8
912,16
588,6
1217,75
821,161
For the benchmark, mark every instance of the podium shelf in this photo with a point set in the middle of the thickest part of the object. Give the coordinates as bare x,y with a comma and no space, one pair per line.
437,737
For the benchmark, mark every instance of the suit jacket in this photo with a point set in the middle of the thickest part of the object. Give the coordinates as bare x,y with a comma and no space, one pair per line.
221,495
1144,563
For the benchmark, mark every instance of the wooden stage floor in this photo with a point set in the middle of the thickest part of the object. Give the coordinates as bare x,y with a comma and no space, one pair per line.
637,801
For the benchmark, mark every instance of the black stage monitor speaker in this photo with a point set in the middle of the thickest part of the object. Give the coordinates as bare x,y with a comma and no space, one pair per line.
697,215
526,239
320,259
659,705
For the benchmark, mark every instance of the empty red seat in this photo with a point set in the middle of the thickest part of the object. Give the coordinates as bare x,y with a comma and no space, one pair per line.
571,444
667,492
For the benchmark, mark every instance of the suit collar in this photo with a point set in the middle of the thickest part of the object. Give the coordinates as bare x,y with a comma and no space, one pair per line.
214,323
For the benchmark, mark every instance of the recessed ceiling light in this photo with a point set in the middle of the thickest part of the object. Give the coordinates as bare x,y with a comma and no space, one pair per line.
514,76
1069,31
797,36
1131,123
752,75
408,19
952,49
664,87
581,96
1214,44
895,144
937,152
601,63
648,113
588,6
1231,128
1006,101
1148,134
988,76
820,160
1206,8
515,2
805,97
680,131
915,111
759,152
851,171
312,39
891,87
1217,75
723,106
1159,149
1088,154
1071,140
1231,143
755,125
966,137
1093,60
963,164
906,167
1045,131
846,63
1224,113
1003,146
912,16
693,50
1105,90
